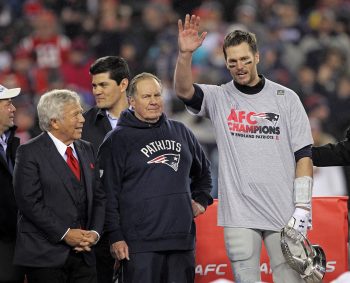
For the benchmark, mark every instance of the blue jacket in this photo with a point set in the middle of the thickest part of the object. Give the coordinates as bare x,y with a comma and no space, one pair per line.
151,172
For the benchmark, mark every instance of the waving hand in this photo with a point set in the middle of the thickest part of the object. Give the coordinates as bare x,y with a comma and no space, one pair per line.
189,37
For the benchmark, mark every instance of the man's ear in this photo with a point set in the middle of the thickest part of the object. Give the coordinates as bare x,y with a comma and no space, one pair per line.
54,124
257,57
124,84
132,101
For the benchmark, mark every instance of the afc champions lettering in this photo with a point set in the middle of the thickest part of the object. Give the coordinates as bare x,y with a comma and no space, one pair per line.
258,125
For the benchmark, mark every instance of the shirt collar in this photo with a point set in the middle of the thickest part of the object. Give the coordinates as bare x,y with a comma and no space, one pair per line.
5,136
3,140
61,147
112,120
110,116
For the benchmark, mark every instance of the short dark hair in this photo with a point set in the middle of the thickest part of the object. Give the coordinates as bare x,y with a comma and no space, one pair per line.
237,37
116,66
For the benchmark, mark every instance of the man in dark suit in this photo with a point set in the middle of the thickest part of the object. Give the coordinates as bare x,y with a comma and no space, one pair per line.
8,209
61,202
110,78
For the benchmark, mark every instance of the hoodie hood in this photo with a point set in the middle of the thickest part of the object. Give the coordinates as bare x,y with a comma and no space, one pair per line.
128,119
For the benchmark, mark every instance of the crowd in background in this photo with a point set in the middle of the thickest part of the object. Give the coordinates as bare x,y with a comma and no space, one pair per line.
304,45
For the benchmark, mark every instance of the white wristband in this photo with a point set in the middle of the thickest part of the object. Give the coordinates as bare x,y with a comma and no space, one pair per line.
303,191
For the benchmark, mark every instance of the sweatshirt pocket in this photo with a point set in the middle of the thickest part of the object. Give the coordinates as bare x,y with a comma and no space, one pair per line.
168,216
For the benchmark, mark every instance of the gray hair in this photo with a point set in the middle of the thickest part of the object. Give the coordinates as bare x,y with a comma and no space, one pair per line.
51,105
132,86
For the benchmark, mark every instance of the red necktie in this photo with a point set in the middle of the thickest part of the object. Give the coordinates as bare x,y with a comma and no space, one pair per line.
73,162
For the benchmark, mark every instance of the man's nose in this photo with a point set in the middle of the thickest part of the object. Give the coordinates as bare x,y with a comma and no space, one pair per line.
239,65
153,100
96,90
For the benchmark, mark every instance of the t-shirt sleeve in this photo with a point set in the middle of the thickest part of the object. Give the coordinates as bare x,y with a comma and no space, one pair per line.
195,103
206,94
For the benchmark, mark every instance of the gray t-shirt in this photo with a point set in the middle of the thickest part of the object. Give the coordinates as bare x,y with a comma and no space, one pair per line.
256,136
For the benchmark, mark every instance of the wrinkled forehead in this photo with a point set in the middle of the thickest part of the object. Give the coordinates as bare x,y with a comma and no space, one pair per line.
148,86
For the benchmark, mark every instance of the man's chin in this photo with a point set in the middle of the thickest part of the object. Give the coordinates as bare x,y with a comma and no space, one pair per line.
10,125
101,105
77,136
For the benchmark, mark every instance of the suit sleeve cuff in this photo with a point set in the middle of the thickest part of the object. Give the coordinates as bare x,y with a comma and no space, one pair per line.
115,236
204,200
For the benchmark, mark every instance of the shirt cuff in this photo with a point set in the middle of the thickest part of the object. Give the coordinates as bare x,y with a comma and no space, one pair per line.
98,236
65,234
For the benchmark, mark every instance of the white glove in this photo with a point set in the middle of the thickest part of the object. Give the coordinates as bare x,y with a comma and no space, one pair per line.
300,220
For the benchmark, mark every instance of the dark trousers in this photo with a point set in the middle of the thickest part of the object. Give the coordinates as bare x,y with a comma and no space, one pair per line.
104,261
160,267
75,270
9,273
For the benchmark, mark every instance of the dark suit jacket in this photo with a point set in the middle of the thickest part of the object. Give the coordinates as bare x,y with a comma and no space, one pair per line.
44,194
8,208
337,154
96,126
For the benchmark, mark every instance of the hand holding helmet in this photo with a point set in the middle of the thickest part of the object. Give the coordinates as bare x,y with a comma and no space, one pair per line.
299,222
301,219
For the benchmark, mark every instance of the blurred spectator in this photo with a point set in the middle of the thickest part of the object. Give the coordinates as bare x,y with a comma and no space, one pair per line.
322,37
305,82
265,10
211,13
113,24
290,30
25,119
332,67
5,59
246,14
74,17
49,49
20,70
75,71
340,107
317,107
46,44
5,14
288,19
154,18
273,67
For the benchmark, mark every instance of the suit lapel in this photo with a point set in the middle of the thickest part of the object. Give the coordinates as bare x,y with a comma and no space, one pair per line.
12,146
85,167
3,163
57,162
104,119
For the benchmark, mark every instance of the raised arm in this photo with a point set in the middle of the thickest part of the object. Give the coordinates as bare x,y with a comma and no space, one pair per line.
189,40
